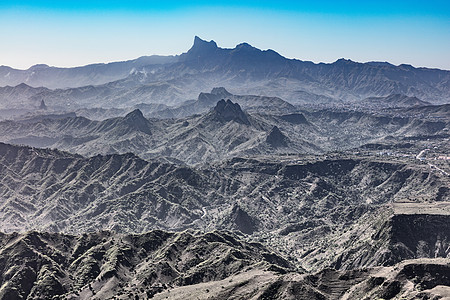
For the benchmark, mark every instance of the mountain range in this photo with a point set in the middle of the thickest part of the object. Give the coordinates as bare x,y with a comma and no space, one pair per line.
42,75
225,174
242,70
221,132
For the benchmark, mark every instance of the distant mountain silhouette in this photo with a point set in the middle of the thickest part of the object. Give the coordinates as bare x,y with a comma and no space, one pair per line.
244,69
93,74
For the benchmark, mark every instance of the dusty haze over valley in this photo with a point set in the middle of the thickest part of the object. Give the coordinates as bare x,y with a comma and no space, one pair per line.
226,172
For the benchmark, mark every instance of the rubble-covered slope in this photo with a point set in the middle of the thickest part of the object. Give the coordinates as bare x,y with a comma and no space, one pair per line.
191,265
103,265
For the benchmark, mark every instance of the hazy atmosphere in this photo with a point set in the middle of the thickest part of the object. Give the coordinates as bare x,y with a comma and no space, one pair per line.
73,33
198,150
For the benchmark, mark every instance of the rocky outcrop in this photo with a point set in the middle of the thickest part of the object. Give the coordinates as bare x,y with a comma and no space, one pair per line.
226,111
276,138
400,237
137,121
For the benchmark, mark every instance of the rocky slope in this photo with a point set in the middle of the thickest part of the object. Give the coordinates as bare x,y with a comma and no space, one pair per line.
106,265
385,238
191,265
310,209
412,279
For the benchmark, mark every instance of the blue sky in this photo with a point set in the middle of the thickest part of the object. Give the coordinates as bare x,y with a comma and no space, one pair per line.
70,33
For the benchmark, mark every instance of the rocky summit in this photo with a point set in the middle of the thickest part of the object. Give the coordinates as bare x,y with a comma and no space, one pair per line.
226,111
276,138
225,173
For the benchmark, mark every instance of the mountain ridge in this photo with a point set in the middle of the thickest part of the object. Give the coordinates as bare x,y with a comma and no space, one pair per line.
248,70
225,131
339,212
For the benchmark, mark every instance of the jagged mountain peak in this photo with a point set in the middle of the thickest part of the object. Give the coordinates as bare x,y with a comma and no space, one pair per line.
39,66
228,111
137,120
135,114
245,46
216,94
220,91
202,47
223,105
276,138
198,42
344,61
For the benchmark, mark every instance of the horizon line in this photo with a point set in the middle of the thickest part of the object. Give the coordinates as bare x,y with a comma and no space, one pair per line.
44,64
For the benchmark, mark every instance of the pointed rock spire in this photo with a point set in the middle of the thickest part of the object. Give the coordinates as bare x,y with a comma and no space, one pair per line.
276,138
200,49
221,91
137,120
226,111
42,105
199,43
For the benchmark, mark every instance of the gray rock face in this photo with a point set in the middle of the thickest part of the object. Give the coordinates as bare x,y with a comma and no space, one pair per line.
276,138
200,49
226,111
